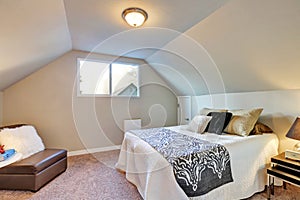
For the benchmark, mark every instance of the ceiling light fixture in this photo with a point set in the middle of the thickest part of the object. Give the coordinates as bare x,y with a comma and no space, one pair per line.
135,16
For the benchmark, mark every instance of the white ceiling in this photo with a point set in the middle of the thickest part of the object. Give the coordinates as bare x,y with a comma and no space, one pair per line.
253,45
36,32
33,33
246,45
92,22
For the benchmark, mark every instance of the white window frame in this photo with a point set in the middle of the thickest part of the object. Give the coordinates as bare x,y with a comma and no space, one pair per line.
79,94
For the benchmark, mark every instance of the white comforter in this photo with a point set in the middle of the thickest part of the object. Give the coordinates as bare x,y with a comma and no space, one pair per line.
154,178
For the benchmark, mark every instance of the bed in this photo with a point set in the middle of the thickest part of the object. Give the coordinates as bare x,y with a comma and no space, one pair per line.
153,175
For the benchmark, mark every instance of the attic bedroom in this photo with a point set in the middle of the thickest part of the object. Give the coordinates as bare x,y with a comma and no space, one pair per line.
201,101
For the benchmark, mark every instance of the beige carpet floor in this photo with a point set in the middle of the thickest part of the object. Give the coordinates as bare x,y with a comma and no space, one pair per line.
93,177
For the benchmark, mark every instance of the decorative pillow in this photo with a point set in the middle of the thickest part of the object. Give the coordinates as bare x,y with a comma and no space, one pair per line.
260,128
23,139
205,111
243,121
199,123
218,122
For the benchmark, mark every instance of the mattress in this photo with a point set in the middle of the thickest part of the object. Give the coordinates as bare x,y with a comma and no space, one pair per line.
153,175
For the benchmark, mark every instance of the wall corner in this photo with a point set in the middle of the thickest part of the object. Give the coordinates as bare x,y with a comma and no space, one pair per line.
1,108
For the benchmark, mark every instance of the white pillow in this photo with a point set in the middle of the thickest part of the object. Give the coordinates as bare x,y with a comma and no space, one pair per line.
23,139
199,123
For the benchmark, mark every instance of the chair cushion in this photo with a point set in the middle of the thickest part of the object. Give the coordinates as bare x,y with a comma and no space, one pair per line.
35,163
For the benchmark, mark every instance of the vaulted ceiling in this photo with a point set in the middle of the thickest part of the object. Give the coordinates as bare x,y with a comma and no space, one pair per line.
36,32
252,45
93,22
33,33
197,46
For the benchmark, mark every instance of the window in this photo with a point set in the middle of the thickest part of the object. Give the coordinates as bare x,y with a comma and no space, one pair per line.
107,79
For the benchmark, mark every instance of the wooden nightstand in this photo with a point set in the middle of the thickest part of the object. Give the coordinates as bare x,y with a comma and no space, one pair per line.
285,169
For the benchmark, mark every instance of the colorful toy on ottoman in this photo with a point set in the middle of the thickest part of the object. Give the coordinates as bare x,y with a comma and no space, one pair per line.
5,154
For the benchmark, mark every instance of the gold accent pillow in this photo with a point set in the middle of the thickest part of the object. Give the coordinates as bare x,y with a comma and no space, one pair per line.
243,121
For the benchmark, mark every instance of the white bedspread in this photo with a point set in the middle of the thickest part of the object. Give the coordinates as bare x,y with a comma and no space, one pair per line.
154,178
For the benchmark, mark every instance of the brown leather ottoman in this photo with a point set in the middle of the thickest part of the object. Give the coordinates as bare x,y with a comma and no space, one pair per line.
35,171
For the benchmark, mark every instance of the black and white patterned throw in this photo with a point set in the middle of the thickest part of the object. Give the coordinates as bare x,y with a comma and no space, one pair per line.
199,166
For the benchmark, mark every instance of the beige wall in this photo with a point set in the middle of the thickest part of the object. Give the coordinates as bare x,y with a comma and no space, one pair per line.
48,99
1,107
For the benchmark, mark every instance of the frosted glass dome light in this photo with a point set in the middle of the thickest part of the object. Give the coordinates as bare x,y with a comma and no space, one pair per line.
135,16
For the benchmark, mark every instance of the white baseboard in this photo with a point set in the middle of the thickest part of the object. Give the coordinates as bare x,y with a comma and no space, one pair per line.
93,150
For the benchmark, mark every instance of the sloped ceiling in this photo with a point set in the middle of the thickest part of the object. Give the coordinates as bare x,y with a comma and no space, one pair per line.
252,45
36,32
197,46
92,22
33,33
255,44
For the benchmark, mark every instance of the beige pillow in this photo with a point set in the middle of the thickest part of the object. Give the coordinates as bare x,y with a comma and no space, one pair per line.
243,121
205,111
199,123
